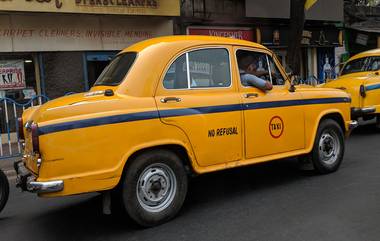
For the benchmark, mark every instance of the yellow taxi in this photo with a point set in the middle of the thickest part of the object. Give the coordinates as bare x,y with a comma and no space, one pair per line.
171,107
360,78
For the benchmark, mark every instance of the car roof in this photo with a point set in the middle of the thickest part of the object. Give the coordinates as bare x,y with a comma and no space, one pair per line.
372,52
190,40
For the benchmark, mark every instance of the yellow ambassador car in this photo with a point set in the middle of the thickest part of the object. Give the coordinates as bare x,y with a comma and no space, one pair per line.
170,107
360,78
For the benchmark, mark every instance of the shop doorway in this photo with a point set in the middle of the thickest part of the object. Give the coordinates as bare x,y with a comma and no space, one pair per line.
96,62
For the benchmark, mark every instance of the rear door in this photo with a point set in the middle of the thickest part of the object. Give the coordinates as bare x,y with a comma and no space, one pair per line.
198,96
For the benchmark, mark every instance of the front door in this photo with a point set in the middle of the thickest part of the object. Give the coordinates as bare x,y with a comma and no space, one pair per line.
198,96
274,120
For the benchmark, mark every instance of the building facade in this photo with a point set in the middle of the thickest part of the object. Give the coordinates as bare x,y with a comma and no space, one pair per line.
267,22
61,46
362,26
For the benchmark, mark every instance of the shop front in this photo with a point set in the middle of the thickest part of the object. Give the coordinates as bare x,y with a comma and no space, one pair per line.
321,48
262,23
322,42
52,48
67,44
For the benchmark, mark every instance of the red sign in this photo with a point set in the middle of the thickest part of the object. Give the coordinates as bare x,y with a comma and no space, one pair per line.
238,33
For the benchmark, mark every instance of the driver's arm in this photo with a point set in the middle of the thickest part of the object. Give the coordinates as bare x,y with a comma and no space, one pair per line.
252,80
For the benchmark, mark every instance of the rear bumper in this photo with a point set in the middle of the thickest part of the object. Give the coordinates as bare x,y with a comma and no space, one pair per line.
26,180
359,112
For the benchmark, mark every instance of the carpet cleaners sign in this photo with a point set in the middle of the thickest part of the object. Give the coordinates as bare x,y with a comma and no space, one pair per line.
12,74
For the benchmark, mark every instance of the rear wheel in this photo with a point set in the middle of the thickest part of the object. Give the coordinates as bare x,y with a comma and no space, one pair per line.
328,149
378,121
4,190
154,187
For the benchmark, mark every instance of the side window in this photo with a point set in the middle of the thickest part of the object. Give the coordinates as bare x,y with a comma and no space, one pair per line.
356,65
254,68
277,78
206,68
176,76
374,64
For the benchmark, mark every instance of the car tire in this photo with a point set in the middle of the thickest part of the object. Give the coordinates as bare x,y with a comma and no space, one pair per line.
328,149
154,187
4,190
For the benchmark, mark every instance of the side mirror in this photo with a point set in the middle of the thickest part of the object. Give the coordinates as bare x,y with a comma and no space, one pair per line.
289,71
294,80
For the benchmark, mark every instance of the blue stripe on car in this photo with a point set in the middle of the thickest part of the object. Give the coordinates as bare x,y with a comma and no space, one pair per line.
182,112
372,87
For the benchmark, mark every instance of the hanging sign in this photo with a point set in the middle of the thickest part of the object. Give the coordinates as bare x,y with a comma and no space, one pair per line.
12,74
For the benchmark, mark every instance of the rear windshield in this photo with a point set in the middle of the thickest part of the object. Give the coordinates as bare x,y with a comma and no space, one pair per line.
115,72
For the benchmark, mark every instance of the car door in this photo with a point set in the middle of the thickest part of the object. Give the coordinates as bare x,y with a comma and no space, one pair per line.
198,96
273,120
372,85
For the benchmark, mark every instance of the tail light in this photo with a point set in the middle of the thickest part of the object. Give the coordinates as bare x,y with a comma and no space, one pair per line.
35,140
21,135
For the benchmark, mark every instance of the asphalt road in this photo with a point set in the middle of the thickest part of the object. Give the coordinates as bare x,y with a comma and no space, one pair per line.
268,202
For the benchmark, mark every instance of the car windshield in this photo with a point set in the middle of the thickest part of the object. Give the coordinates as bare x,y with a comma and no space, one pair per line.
355,66
115,72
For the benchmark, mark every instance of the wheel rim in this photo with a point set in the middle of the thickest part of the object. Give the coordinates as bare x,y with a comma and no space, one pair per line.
156,187
329,147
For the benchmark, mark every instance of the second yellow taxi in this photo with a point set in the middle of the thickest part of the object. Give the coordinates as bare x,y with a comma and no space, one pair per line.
360,77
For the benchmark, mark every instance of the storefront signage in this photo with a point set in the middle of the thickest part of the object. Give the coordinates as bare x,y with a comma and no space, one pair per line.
12,75
80,33
129,7
238,33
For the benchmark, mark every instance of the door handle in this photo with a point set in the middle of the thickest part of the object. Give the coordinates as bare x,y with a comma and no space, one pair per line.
170,99
249,95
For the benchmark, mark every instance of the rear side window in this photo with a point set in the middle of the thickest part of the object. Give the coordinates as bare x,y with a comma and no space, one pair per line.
115,72
206,68
355,66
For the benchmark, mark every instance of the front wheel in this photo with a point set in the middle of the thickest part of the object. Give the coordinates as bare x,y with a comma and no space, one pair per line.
328,149
154,187
4,190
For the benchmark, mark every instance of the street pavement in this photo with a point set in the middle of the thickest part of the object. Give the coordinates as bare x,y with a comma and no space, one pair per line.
266,202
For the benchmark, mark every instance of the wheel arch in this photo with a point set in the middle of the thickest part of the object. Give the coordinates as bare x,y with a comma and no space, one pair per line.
180,150
335,115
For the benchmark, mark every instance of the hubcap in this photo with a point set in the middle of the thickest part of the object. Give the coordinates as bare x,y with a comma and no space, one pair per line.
329,147
156,187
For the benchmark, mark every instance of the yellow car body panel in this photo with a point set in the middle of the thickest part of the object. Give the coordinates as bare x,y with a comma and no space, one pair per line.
363,86
87,139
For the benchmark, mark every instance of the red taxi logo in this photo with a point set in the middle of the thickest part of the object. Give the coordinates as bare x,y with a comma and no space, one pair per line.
276,127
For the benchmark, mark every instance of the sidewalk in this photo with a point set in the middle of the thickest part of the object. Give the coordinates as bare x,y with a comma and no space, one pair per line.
6,164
